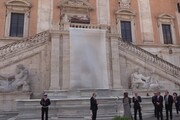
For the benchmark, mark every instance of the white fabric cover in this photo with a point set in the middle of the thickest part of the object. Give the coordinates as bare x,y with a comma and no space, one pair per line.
88,61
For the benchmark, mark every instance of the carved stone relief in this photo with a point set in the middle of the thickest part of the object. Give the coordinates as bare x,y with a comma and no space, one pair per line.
79,19
142,81
75,2
19,81
75,11
124,3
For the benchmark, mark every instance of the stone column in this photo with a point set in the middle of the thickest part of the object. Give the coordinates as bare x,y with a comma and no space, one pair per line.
45,12
103,12
146,21
66,62
116,83
55,61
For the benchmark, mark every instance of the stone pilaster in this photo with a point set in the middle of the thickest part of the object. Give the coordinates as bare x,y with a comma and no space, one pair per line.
103,15
146,21
55,62
66,62
178,20
44,19
116,82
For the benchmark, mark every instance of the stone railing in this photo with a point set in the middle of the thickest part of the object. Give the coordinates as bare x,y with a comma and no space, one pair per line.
87,26
147,56
24,44
66,26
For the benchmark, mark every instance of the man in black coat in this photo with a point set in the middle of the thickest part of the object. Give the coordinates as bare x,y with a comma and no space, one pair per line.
159,105
93,106
168,104
45,102
137,107
154,103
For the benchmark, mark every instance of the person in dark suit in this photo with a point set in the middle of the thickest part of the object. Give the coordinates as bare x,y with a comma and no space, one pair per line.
154,103
45,102
176,102
93,106
159,105
168,104
137,107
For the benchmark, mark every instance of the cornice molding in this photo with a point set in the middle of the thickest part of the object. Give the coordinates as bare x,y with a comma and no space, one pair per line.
18,3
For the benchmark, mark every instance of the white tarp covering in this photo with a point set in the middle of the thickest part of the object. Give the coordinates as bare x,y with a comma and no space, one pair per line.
88,61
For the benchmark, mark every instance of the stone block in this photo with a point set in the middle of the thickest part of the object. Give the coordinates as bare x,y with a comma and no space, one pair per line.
8,100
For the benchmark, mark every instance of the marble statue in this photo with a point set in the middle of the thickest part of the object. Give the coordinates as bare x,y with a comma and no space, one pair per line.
18,81
140,81
154,85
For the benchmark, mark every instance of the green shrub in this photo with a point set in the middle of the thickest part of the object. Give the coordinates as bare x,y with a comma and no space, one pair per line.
120,118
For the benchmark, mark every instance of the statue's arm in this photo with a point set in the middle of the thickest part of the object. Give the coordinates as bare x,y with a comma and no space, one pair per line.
25,74
3,78
146,78
11,78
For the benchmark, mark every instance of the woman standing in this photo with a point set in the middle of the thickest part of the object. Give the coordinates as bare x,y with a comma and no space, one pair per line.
127,106
176,102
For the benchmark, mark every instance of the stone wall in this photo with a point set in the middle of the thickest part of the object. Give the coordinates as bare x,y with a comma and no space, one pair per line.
8,100
36,61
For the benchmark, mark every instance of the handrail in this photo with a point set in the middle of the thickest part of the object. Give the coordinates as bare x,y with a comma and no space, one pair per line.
147,56
24,43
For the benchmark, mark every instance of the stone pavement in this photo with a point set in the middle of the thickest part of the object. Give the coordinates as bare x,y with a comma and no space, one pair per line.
7,115
175,117
11,116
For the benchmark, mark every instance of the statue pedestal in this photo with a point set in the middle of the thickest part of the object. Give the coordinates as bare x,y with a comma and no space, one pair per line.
144,92
8,100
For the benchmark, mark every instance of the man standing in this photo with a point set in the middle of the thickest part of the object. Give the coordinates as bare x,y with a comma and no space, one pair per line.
168,104
93,106
137,106
45,102
159,105
154,103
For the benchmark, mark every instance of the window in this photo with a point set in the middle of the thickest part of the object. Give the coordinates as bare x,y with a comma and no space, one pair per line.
17,18
17,25
166,29
167,35
126,31
126,24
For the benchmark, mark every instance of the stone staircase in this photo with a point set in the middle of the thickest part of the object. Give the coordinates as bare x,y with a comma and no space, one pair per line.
11,52
150,61
74,105
8,115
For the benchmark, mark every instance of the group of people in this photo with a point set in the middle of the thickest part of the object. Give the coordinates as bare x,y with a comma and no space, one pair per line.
158,101
127,106
45,102
168,99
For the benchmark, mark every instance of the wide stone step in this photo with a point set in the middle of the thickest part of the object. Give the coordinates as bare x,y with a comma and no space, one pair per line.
79,108
7,115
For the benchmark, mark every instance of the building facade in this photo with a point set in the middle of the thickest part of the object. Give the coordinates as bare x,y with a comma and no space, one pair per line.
149,24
